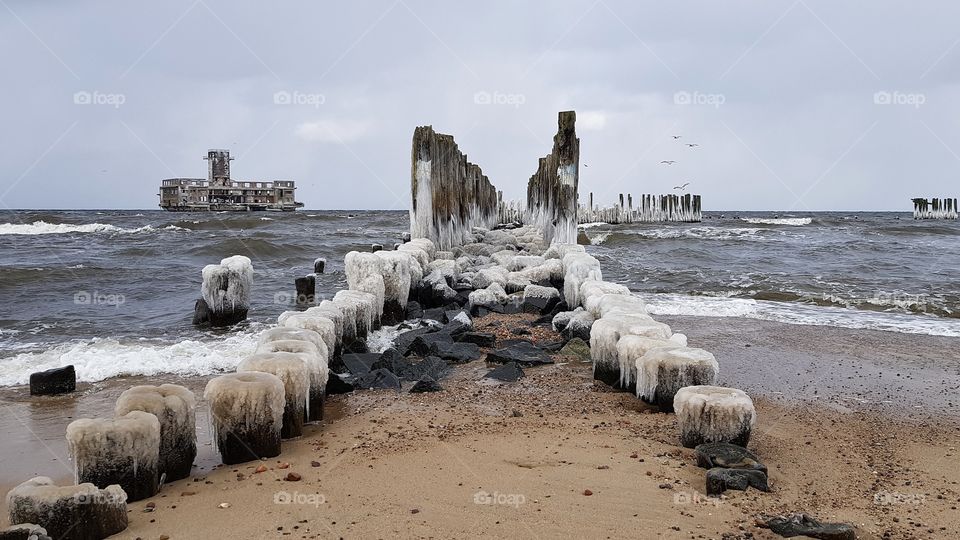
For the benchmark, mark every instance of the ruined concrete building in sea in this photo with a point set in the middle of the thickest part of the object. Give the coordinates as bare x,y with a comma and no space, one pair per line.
219,192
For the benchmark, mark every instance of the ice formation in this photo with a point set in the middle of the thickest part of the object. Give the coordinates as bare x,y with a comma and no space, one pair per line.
935,208
395,266
227,286
450,194
488,276
246,410
67,512
631,348
663,371
610,304
492,295
592,290
361,305
552,190
578,268
559,251
651,208
293,369
285,333
174,406
316,359
562,319
123,450
707,414
312,321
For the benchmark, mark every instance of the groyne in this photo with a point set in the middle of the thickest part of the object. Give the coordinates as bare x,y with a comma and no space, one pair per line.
935,208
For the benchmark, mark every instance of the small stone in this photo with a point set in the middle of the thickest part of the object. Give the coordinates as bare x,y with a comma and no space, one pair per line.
188,493
415,511
587,492
665,486
293,477
283,466
223,505
261,469
314,463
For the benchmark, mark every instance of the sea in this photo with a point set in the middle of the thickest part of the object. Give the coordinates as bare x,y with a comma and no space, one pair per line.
112,292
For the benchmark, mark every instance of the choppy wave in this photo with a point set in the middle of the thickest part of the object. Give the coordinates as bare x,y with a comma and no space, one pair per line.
42,227
779,221
699,233
592,224
102,358
676,304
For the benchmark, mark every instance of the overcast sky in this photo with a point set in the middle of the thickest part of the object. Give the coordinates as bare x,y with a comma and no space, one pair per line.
796,105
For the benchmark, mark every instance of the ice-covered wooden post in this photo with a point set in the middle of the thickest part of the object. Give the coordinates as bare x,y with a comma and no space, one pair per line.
294,370
710,414
123,451
552,190
67,512
174,406
450,194
225,292
246,410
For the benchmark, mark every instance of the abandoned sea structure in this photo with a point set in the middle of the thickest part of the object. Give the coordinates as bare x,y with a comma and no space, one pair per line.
457,263
219,192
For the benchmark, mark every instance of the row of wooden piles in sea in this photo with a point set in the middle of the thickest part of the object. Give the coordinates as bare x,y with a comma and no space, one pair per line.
649,209
935,208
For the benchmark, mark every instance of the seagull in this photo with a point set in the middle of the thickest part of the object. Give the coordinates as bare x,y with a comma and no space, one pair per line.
682,187
677,136
668,161
691,145
585,165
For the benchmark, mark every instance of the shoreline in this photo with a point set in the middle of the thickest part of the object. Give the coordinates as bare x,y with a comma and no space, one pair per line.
798,427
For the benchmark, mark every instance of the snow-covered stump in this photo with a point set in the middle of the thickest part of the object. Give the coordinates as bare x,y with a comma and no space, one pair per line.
552,190
449,194
631,348
246,410
81,512
315,321
710,414
174,406
359,307
577,269
592,291
395,266
123,451
225,292
319,370
662,372
364,274
293,369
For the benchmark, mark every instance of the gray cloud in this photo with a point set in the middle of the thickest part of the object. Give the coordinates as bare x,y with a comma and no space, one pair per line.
796,105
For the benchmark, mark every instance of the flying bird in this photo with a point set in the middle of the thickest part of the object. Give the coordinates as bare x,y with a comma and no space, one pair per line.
691,145
585,165
682,187
677,136
668,161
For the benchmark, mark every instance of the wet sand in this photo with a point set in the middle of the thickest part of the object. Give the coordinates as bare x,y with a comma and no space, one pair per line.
855,426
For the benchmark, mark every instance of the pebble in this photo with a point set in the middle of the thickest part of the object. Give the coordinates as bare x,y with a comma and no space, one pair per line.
292,477
587,492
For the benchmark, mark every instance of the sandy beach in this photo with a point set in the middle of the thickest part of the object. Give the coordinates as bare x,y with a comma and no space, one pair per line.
861,428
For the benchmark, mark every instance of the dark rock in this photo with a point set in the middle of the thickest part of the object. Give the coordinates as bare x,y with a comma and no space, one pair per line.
803,525
359,364
552,346
539,304
25,532
479,311
426,384
450,316
413,310
201,313
306,289
455,329
379,379
576,348
355,346
53,381
727,456
432,367
509,308
336,385
436,314
519,351
509,372
403,341
390,360
720,480
458,353
480,338
520,331
423,344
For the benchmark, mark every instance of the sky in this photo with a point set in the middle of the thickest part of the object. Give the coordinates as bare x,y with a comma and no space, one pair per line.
795,105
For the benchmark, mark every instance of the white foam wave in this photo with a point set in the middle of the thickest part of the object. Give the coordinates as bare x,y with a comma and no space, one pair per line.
704,233
102,358
592,224
779,221
42,227
599,238
790,313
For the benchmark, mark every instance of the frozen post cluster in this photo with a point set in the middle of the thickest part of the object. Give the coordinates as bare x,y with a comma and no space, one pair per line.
711,414
173,406
450,194
552,190
294,370
246,410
